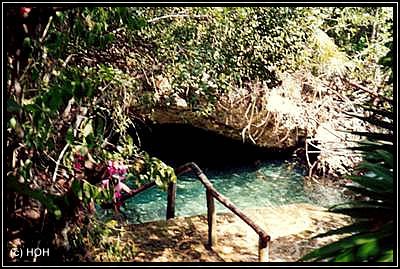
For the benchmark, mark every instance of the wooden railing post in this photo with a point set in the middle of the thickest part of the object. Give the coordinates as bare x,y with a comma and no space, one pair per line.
211,192
263,249
171,201
212,220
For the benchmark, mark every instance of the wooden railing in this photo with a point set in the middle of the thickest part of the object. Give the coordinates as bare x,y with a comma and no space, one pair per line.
128,195
211,193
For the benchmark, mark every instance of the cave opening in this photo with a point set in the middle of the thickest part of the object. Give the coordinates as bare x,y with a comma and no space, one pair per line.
248,175
176,144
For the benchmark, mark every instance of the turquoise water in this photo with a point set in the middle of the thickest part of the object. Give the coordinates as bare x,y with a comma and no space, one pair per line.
269,184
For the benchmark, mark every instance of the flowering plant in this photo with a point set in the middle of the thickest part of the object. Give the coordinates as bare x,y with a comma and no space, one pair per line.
116,173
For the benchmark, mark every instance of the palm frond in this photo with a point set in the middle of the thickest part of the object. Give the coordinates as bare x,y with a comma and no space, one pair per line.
369,146
375,136
371,236
356,248
387,256
358,227
383,156
384,113
369,193
373,120
381,186
378,171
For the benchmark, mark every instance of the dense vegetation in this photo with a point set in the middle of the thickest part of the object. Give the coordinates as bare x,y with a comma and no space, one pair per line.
371,236
79,78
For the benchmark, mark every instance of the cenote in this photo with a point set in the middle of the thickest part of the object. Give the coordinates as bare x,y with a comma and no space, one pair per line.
248,176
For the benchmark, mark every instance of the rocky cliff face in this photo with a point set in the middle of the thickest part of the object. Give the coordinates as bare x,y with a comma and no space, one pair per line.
301,111
268,118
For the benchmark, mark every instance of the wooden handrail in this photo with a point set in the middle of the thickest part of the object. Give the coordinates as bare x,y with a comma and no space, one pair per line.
211,192
136,191
130,194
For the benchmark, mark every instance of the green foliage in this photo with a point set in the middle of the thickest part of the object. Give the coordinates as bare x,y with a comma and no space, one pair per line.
387,63
204,51
364,34
104,239
98,67
53,203
371,236
199,52
87,193
153,169
353,28
364,246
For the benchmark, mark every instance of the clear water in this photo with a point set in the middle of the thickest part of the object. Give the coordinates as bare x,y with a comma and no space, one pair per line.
269,184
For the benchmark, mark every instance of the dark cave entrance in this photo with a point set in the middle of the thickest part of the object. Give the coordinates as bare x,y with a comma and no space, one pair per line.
177,144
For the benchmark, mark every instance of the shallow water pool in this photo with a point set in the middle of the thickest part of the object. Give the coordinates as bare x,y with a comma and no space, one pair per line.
269,183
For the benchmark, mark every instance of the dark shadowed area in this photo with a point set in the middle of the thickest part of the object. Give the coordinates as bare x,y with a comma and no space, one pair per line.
177,144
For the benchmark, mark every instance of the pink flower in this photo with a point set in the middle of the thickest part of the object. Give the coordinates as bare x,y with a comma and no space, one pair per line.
115,168
111,169
118,187
117,195
105,183
122,169
24,11
78,162
77,166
